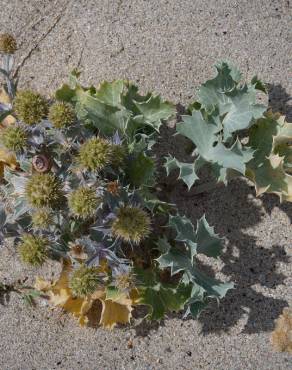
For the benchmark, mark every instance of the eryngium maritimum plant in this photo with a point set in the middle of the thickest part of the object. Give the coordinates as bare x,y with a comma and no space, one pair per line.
83,190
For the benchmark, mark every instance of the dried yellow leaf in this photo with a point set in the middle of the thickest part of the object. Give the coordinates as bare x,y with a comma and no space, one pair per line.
115,313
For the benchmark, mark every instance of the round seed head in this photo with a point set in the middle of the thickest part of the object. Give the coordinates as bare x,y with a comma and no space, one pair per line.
14,138
30,107
41,218
43,190
33,249
7,43
83,202
84,281
119,153
62,114
132,224
95,154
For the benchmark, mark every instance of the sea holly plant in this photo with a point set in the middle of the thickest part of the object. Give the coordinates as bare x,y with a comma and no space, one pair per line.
78,186
235,136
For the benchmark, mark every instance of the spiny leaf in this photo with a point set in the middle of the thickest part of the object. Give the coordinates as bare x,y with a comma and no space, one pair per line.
160,297
110,92
154,110
187,171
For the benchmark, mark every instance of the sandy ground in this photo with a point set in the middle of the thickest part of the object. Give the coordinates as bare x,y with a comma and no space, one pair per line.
169,46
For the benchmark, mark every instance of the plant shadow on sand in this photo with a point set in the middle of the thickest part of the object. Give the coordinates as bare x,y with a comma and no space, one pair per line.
233,211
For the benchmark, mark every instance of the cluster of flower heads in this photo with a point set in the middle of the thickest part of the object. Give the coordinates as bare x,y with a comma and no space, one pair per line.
79,186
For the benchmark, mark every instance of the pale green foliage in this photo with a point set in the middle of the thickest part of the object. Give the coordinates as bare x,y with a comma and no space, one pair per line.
83,202
14,138
43,190
86,185
182,259
33,249
270,169
132,224
117,106
84,281
30,107
61,114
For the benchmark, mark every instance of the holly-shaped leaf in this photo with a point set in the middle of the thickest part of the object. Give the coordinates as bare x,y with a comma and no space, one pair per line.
160,297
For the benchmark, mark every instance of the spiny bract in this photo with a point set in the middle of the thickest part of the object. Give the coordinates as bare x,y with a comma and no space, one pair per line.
8,43
30,107
41,218
61,114
95,154
14,138
84,281
33,249
132,224
83,202
43,190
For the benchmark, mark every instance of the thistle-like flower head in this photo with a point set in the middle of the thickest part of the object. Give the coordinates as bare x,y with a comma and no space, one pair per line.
33,249
95,154
132,224
8,43
30,107
43,190
84,281
14,138
41,218
119,153
62,114
83,202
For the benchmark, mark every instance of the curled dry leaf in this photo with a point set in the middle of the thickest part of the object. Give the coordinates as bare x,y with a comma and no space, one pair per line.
92,310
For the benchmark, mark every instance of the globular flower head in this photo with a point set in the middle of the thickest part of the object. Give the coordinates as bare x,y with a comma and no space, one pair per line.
30,107
33,249
119,153
43,190
14,138
95,154
84,281
41,218
62,114
83,202
132,224
8,43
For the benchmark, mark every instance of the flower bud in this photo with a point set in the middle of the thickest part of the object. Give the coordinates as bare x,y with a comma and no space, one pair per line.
43,190
132,224
84,281
62,114
33,249
30,107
